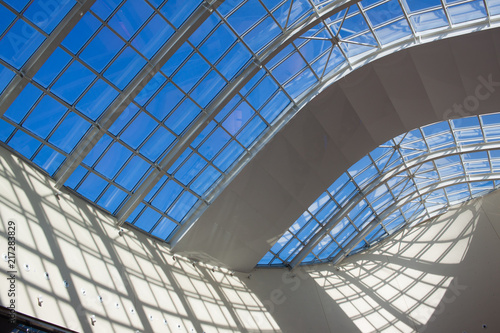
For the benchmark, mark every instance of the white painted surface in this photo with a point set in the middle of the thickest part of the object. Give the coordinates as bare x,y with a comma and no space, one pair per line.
373,104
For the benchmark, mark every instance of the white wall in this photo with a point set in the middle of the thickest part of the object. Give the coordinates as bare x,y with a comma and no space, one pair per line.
441,276
74,241
438,277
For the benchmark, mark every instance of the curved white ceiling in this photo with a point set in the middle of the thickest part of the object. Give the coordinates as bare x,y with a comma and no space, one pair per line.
388,97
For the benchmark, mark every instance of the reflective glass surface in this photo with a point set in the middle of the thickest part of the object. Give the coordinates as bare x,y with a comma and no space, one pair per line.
147,108
407,180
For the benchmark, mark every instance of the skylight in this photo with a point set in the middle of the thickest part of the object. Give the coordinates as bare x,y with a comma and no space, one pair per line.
407,180
148,108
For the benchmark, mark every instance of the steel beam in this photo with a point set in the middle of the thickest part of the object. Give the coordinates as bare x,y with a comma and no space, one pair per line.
126,97
224,97
414,195
375,183
36,61
304,99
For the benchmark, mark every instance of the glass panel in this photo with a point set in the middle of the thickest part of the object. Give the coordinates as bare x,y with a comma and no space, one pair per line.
20,42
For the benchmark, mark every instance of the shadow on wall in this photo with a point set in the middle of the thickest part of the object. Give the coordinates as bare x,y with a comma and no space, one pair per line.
73,269
440,276
407,282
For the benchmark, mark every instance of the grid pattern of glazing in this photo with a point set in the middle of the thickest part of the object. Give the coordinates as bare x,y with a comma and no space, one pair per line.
115,40
402,182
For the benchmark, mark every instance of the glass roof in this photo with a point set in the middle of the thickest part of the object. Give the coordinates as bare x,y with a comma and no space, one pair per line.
147,108
407,180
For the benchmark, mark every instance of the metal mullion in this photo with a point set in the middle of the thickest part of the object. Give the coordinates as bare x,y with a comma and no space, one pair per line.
374,5
278,63
221,149
418,204
140,29
350,181
133,152
374,164
180,165
43,52
242,128
30,110
107,180
157,91
342,20
340,247
222,99
286,244
257,113
445,9
313,218
361,10
133,88
327,60
441,180
218,125
31,134
246,32
186,187
233,137
20,16
480,120
212,68
487,8
87,66
290,256
288,15
101,156
296,75
324,248
209,163
105,23
207,37
123,166
153,197
266,102
394,149
314,38
56,126
308,65
256,57
294,46
393,20
361,171
336,39
102,193
235,8
408,21
369,206
148,136
181,65
380,197
162,215
346,41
